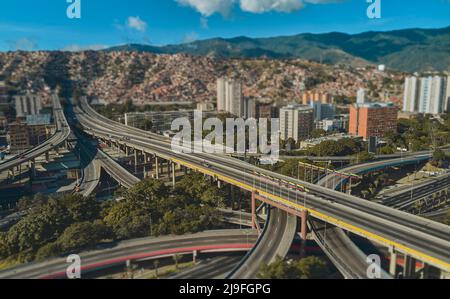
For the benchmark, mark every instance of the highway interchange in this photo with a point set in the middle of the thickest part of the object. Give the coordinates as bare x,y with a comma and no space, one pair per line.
421,238
416,236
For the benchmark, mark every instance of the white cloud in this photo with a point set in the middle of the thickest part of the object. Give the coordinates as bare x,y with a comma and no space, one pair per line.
190,37
79,48
210,7
23,44
137,24
262,6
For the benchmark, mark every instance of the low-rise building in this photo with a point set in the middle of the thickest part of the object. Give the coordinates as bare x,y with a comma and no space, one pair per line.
18,137
339,123
160,121
321,97
40,128
28,104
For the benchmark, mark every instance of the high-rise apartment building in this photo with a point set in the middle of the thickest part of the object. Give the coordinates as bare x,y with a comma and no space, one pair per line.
251,108
447,96
428,95
296,122
373,120
3,93
411,94
431,98
221,98
229,97
361,96
323,111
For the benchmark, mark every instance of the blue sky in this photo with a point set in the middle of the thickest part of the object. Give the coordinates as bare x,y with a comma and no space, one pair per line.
44,25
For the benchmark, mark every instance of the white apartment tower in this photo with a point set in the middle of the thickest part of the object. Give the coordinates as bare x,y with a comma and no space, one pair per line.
361,97
411,95
447,96
431,99
229,97
221,94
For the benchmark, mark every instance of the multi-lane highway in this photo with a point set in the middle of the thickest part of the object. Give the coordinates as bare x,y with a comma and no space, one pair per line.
275,241
348,258
418,237
141,249
62,133
405,198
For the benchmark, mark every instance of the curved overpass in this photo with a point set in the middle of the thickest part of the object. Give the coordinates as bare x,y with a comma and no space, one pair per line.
62,133
141,249
415,236
275,241
348,258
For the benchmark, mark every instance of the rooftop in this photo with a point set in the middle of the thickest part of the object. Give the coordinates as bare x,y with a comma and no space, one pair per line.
376,105
39,119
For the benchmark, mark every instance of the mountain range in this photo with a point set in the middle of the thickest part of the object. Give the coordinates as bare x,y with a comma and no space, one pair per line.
410,50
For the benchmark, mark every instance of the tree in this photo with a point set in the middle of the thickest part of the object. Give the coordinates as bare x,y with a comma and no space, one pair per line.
312,268
129,220
439,158
307,268
82,235
48,250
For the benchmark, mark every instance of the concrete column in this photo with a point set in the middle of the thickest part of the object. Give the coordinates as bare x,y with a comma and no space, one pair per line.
426,271
47,157
174,178
254,217
304,225
409,267
157,168
219,184
349,189
194,256
146,162
32,169
393,263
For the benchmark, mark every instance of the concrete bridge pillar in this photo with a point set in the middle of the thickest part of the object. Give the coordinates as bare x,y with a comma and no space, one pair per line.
254,216
304,225
393,262
174,178
409,267
194,256
47,157
157,168
137,159
32,169
147,160
349,189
